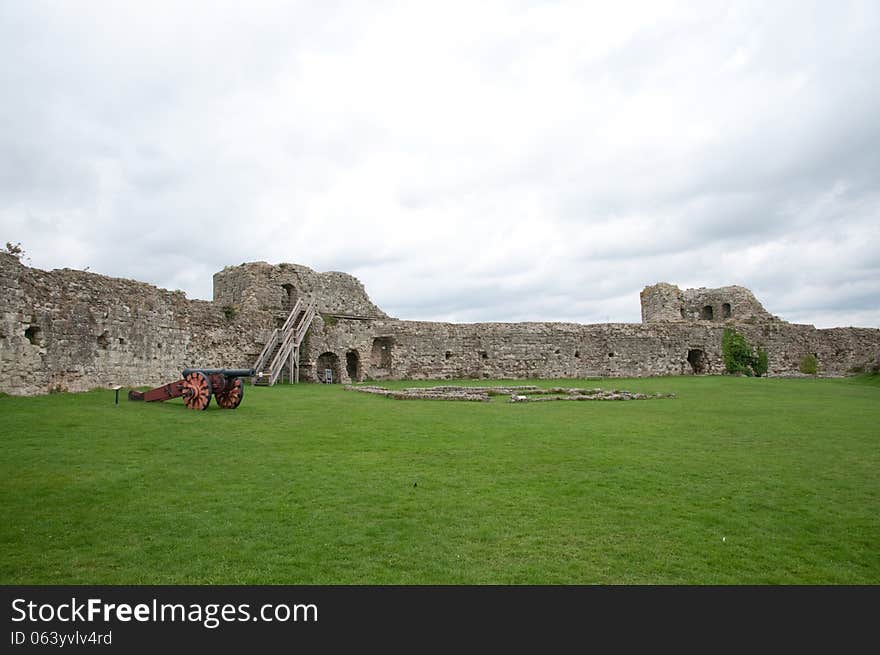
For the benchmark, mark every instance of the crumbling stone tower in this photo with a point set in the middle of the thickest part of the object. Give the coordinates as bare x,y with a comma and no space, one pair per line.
275,288
664,302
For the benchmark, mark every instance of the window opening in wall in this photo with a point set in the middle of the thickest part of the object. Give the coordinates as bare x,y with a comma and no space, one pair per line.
725,310
448,354
577,354
706,313
35,335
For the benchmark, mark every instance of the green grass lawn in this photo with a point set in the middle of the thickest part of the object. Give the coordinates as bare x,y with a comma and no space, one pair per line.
736,480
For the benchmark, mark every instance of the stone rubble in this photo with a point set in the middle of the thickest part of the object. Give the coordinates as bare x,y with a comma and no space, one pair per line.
517,394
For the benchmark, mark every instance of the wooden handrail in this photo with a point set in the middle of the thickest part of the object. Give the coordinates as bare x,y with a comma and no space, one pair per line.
267,350
293,313
292,334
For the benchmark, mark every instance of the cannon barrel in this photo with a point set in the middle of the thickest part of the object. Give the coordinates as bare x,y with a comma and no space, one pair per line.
225,372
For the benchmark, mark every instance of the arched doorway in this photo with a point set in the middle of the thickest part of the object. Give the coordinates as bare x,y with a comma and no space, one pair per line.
288,300
353,365
697,360
380,355
327,368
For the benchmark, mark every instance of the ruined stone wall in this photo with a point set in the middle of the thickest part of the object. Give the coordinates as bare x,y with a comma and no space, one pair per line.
734,302
838,350
662,302
423,350
544,350
665,302
73,330
262,286
349,340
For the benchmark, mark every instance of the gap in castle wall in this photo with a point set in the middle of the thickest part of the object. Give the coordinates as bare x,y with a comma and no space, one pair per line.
35,335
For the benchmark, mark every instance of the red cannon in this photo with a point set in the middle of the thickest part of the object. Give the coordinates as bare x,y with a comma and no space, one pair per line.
197,386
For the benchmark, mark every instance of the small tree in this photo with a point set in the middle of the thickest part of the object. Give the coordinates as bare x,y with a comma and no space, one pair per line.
736,352
14,249
762,363
739,357
809,364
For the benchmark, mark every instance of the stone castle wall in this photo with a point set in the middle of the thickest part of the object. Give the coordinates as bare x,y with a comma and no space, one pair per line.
423,350
72,330
262,286
69,330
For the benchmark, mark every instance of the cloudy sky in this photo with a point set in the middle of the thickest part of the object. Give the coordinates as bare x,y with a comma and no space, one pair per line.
467,161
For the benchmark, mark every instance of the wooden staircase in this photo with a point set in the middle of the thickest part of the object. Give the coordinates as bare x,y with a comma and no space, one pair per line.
283,346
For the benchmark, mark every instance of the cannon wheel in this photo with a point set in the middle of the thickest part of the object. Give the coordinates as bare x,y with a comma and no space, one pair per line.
196,390
230,398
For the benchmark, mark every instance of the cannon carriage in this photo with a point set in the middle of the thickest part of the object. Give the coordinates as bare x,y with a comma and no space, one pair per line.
197,385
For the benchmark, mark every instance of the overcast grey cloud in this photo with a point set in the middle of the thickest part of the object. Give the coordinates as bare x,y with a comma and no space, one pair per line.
467,161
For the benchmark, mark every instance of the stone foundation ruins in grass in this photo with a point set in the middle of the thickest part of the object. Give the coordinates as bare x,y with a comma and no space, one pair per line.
516,394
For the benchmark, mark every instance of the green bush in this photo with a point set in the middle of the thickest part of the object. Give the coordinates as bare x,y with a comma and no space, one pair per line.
809,364
762,363
739,357
736,352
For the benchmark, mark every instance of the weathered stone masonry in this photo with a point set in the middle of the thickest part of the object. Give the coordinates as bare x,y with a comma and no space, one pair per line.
72,330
